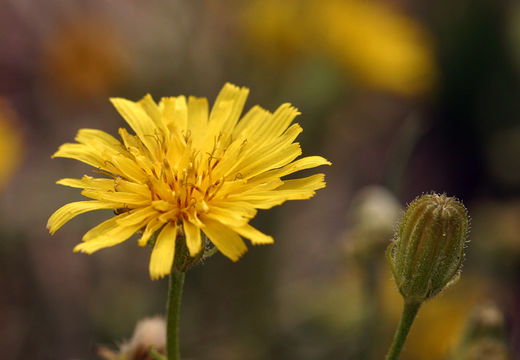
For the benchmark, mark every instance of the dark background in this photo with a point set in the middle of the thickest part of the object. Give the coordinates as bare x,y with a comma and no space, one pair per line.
410,96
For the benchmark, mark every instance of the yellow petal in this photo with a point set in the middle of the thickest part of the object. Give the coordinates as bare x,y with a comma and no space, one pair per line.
251,121
256,237
129,169
250,186
101,144
161,205
277,123
163,252
231,213
115,223
313,182
193,238
130,140
80,152
120,199
228,106
116,235
138,119
137,216
102,228
151,108
197,119
298,189
152,226
132,187
268,155
230,160
88,182
87,136
267,200
226,240
71,210
224,115
175,113
298,165
273,160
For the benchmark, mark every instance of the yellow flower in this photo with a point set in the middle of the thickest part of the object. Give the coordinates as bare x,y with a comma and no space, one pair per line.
10,143
383,48
373,42
275,30
188,170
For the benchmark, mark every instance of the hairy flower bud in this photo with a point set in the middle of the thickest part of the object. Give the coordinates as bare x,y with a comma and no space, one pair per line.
427,252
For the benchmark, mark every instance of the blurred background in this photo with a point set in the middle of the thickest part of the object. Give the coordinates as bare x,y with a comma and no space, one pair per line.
404,97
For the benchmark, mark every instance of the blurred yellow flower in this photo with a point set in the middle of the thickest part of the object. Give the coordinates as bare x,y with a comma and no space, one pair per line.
10,143
188,171
375,43
83,58
380,46
275,29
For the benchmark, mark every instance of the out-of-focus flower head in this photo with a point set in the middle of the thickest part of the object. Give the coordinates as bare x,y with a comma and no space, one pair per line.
486,319
275,30
485,335
375,211
380,46
148,334
83,58
188,171
375,43
10,143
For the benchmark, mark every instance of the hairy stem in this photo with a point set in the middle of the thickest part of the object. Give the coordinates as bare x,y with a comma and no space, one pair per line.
407,318
174,305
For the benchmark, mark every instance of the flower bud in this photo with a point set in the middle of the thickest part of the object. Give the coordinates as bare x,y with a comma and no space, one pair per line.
427,252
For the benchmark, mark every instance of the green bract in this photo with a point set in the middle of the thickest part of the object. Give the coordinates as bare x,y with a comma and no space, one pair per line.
427,252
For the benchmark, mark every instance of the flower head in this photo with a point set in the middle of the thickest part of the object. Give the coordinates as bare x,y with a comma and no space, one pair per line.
427,254
188,170
372,41
11,141
380,46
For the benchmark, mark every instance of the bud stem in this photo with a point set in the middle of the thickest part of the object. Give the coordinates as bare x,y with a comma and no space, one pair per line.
407,318
172,322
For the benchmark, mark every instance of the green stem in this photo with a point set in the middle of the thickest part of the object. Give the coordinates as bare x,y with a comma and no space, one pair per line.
174,305
407,318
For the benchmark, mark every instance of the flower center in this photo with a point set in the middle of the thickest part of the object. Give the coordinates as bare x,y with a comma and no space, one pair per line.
184,190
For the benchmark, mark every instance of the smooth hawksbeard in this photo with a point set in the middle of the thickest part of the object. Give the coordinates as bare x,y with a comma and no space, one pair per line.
188,170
